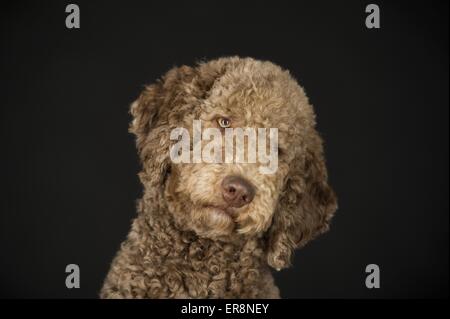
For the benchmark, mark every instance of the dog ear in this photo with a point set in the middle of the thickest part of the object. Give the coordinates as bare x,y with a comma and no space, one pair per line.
150,124
305,206
144,112
156,100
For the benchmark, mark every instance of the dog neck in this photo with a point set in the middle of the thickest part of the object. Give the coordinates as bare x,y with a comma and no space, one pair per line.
180,264
163,231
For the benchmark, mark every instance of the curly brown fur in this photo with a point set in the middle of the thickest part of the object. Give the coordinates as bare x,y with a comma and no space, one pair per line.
179,246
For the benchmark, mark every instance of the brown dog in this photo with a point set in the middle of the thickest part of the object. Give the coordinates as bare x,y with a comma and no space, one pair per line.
211,230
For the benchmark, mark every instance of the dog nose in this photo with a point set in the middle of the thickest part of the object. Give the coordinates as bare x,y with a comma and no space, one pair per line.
236,191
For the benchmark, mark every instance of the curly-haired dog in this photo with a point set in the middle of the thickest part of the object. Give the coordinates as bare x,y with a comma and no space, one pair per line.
193,236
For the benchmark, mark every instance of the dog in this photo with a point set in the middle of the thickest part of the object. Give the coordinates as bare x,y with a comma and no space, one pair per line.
215,230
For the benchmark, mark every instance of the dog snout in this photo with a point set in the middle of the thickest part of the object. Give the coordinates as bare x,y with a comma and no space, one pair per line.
237,192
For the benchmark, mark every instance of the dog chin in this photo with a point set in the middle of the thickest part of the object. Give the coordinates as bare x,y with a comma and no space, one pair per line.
213,222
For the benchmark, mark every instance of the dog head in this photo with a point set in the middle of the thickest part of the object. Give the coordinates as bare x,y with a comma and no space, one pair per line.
220,200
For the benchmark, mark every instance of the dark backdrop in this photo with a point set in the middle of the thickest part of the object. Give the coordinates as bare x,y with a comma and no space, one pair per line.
68,166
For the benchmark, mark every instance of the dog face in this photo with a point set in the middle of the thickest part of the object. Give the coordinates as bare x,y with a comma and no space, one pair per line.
218,200
225,201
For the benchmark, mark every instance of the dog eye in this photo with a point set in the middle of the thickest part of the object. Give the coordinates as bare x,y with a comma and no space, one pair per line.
224,122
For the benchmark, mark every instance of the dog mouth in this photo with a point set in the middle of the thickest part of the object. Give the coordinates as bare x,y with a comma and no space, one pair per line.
221,210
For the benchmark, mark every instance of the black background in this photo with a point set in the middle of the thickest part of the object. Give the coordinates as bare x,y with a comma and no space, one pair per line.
68,166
